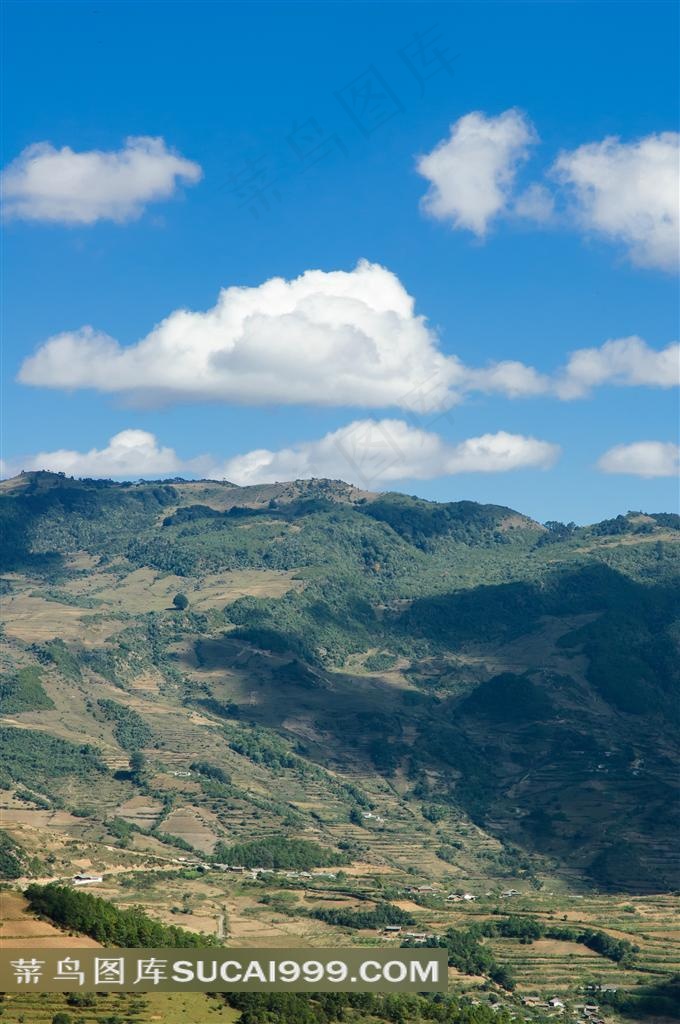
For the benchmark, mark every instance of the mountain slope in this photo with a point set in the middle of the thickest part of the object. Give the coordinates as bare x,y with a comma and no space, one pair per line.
499,695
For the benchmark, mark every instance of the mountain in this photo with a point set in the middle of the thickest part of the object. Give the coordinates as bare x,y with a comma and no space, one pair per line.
509,690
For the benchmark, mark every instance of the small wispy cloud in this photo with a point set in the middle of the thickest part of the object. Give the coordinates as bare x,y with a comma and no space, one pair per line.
642,458
366,452
472,172
62,186
628,193
129,454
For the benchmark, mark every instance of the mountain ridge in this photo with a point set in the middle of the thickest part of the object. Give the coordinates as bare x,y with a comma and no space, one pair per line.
259,494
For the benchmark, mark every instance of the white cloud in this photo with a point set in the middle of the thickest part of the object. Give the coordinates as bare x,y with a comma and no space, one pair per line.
334,339
626,192
60,185
472,173
643,458
510,378
372,452
629,192
536,203
367,452
622,362
130,454
338,338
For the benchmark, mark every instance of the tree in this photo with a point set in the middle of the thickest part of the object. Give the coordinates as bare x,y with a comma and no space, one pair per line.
180,601
137,765
62,1018
81,999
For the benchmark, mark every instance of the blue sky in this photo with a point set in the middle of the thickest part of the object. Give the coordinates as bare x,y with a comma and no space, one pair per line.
232,88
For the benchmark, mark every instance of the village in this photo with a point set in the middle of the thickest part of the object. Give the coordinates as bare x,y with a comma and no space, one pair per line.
575,1012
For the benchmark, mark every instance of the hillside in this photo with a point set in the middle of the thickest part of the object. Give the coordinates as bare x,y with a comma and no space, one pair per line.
425,694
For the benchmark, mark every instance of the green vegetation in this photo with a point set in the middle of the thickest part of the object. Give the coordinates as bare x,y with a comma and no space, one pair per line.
210,771
12,858
658,1000
262,748
181,602
631,652
56,653
137,766
280,852
89,915
36,759
380,916
23,691
326,1008
509,698
527,929
53,514
467,954
130,729
380,662
419,521
121,830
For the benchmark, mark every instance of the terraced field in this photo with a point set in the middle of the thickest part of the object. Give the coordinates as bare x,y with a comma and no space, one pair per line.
19,927
651,923
169,1008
